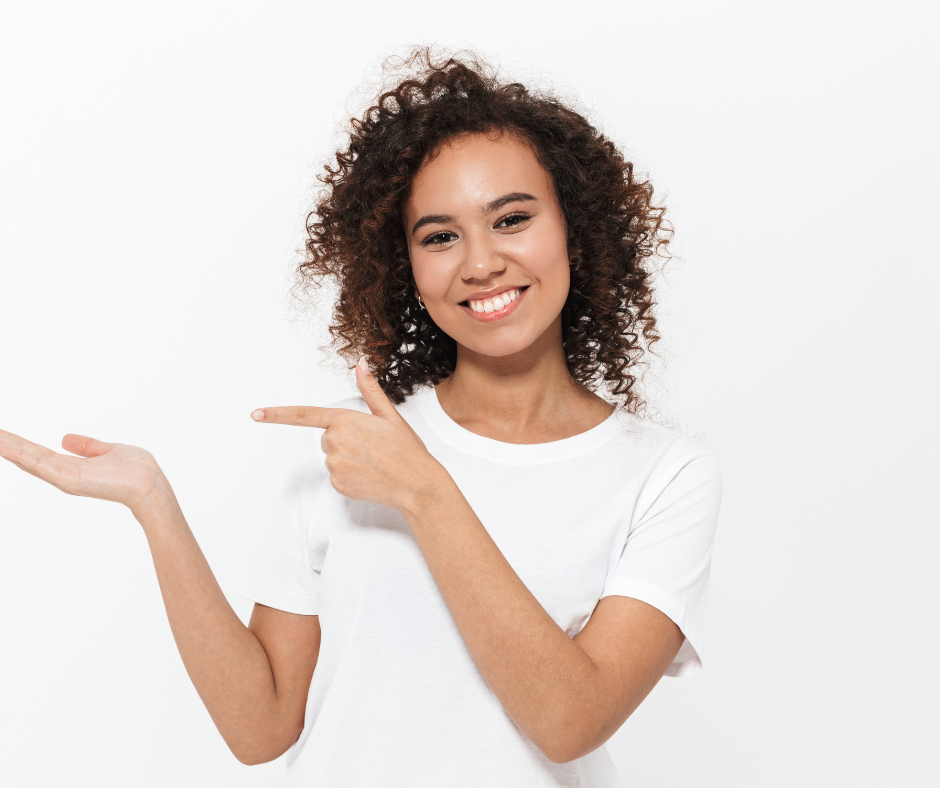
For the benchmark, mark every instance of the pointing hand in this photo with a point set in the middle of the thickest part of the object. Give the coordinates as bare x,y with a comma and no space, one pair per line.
376,458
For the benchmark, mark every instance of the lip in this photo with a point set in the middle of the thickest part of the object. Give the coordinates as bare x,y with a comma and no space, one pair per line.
482,295
499,314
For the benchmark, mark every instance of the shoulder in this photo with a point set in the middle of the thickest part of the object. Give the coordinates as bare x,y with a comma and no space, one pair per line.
666,451
678,478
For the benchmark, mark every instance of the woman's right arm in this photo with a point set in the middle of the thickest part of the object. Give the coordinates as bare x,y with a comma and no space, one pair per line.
253,680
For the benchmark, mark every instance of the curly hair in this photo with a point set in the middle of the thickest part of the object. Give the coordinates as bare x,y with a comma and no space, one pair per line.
356,238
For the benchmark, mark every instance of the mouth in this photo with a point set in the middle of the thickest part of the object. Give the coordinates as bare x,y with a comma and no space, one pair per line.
490,309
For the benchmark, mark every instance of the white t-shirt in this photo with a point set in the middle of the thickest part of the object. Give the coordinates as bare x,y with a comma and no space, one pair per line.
627,508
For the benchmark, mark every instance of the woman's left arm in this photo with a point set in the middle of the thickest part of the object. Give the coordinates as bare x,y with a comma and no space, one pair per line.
568,695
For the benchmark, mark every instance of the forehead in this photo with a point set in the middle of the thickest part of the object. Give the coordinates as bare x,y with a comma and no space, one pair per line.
470,171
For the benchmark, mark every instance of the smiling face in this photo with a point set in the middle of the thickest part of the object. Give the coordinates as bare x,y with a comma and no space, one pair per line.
488,245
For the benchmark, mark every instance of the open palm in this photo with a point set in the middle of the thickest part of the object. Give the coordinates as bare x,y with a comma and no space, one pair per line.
109,471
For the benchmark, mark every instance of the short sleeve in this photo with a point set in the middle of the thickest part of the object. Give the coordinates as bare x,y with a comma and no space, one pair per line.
291,577
666,559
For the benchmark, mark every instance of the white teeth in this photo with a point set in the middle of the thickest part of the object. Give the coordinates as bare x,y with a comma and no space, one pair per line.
495,304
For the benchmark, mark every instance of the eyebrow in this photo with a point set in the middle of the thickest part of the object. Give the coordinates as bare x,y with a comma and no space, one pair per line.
495,205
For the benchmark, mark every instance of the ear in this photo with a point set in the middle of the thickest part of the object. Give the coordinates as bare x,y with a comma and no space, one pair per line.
573,251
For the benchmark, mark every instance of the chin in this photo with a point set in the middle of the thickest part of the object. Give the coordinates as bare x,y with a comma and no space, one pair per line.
497,350
500,344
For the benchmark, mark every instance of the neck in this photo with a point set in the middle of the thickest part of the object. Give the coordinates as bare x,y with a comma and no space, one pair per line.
525,397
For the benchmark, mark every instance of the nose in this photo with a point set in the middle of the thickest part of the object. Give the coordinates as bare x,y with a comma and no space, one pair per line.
481,259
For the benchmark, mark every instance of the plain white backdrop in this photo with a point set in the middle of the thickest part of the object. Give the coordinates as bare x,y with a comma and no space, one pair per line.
156,165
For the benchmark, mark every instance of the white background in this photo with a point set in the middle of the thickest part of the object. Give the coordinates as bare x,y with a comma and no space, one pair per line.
155,168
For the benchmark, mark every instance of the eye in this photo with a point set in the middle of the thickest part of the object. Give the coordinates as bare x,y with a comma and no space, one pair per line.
513,220
438,239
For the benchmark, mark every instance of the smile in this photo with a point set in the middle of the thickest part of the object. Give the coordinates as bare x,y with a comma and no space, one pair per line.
495,308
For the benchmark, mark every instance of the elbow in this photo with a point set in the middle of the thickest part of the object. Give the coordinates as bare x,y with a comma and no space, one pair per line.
562,749
572,740
263,748
563,754
255,756
250,759
568,751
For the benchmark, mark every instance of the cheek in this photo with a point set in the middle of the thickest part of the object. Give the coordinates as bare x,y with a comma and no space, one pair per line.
555,287
430,279
547,260
419,271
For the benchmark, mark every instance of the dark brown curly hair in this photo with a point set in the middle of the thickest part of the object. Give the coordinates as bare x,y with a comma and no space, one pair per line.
356,237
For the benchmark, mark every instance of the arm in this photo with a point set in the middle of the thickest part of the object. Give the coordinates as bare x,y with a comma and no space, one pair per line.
253,680
568,695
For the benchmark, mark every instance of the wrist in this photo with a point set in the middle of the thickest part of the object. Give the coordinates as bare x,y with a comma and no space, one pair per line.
157,505
431,481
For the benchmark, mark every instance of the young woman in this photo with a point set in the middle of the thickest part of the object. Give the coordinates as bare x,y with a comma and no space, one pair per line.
494,565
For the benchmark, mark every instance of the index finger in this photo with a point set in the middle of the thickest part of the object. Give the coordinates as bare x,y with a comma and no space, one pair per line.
298,415
14,447
31,457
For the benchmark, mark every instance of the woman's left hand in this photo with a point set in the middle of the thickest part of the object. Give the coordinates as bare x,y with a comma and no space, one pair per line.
376,458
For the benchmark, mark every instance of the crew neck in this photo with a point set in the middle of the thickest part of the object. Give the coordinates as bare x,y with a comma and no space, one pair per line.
488,448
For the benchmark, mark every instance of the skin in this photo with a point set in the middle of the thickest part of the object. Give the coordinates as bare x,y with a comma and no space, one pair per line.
510,383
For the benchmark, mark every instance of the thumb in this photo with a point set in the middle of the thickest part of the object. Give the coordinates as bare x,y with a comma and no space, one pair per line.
372,393
86,447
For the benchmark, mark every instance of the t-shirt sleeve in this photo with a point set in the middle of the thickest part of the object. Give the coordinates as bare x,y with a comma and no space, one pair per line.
666,559
296,543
